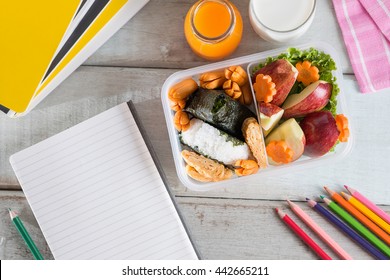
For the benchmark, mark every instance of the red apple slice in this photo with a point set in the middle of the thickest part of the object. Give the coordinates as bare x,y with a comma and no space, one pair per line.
321,133
313,98
292,134
283,74
270,115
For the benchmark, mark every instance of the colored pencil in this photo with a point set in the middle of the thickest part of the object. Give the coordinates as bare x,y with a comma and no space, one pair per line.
346,229
367,212
359,216
357,226
305,238
369,204
26,237
319,231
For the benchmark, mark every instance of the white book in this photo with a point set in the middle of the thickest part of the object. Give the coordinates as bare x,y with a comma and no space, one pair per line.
98,192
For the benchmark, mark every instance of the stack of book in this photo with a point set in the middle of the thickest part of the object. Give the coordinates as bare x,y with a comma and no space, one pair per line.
44,41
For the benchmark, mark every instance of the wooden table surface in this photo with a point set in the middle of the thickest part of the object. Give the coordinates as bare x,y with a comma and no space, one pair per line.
232,223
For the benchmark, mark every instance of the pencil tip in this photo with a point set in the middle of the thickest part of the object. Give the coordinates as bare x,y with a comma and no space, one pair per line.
307,199
350,190
345,195
311,202
280,212
329,191
292,204
322,196
9,209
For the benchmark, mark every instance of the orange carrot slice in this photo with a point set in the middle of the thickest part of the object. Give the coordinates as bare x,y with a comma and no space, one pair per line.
246,167
342,126
307,73
264,88
279,151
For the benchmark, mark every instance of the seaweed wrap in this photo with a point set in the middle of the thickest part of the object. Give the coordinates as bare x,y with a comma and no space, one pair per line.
219,110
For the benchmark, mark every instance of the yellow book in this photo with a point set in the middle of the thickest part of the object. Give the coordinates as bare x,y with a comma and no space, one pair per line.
105,16
110,19
30,33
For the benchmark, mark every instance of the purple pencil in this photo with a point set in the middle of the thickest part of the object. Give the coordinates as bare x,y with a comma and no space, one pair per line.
350,232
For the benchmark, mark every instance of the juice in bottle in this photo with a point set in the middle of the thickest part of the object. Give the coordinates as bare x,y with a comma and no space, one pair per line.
213,28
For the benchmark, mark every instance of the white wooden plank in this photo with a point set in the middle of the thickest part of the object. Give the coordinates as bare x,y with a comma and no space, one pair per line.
94,89
14,247
250,229
221,228
155,38
87,92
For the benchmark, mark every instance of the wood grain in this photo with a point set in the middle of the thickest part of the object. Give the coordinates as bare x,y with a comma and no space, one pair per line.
14,247
91,90
221,228
155,38
228,223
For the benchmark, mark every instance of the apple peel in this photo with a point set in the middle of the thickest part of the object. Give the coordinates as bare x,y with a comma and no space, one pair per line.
311,99
279,151
264,88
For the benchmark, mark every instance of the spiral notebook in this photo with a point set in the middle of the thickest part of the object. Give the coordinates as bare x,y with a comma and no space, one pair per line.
98,192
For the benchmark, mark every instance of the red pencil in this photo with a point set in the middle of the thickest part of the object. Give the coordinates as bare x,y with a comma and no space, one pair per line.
310,242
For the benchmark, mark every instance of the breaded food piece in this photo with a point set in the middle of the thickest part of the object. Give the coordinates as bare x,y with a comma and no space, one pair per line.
203,169
196,175
254,138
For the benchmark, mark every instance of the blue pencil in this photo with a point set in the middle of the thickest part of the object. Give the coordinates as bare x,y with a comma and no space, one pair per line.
350,232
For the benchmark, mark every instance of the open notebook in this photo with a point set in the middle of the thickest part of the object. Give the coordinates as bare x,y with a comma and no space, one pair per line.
98,192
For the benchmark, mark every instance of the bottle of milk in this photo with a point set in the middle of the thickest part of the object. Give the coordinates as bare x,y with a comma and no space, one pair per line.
281,20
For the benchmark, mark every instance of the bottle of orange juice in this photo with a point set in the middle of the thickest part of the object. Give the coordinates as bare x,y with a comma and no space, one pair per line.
213,28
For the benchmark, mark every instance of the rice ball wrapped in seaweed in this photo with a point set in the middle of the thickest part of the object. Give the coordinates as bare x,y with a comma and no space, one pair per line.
214,143
218,109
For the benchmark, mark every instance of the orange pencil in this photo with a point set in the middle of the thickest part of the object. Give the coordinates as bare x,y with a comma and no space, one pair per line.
367,212
359,216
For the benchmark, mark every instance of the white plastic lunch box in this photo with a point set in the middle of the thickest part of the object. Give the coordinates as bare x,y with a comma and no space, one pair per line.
248,62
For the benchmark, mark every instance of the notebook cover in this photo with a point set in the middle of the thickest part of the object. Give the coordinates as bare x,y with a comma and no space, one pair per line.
87,20
114,16
104,17
30,32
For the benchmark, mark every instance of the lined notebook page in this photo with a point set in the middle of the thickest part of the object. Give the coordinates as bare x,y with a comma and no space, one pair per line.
97,194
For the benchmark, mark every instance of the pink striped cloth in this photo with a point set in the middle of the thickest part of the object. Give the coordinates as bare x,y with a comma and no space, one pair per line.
365,25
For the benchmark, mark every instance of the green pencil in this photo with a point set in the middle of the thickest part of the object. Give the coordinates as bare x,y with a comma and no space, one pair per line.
357,226
26,237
